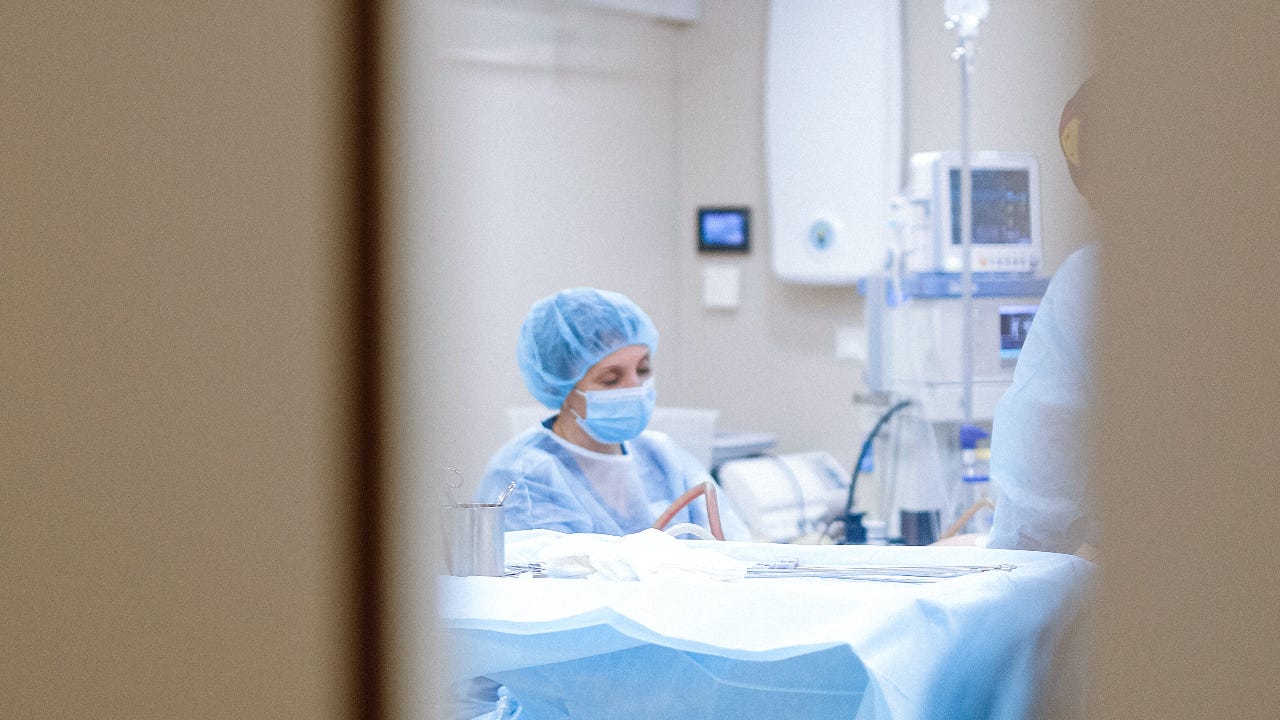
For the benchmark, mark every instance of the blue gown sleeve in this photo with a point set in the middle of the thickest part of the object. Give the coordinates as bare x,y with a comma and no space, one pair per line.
543,497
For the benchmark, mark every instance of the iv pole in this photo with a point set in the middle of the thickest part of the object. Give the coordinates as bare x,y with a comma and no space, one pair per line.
964,16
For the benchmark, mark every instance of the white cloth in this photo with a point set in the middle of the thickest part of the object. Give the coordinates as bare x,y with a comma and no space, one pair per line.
646,554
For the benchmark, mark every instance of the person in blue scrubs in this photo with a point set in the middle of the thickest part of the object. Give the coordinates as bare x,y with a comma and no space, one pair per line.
1040,447
592,466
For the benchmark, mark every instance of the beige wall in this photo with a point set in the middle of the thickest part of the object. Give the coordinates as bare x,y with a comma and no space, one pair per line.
1189,399
175,525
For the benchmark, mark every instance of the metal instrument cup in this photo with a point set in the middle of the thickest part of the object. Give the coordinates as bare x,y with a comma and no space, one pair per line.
473,539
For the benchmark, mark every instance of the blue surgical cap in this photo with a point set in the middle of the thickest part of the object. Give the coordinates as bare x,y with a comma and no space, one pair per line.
565,334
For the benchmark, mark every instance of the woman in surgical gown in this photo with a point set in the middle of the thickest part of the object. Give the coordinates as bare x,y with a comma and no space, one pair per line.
592,466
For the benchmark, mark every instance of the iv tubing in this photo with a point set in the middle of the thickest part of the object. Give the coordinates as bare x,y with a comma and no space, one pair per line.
866,449
707,490
965,518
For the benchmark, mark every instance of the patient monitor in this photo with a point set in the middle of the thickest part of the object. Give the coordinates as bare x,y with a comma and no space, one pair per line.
1006,213
915,312
948,349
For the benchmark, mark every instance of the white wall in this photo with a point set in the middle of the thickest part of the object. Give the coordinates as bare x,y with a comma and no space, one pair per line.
548,160
565,143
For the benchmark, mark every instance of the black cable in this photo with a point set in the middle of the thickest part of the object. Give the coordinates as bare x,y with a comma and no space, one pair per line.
866,448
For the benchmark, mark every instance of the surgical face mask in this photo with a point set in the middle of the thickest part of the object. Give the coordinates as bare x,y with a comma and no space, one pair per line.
617,415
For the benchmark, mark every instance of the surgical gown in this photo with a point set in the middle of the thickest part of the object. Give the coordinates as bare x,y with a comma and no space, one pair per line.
1039,443
561,486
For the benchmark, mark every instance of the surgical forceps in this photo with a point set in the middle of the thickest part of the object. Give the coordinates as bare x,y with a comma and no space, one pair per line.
876,573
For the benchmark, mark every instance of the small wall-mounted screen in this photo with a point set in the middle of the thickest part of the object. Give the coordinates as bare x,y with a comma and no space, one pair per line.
721,229
1015,323
1001,207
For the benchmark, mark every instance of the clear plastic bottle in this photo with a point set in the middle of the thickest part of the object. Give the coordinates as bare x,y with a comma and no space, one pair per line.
975,486
875,531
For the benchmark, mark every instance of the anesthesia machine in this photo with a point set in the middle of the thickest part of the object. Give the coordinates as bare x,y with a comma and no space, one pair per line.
938,357
951,282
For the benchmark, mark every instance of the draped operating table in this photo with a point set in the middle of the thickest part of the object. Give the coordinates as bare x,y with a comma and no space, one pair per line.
809,632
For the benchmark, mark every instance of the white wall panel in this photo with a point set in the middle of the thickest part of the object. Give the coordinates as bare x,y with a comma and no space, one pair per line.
833,135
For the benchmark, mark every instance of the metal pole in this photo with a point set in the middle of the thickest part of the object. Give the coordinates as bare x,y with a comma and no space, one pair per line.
966,237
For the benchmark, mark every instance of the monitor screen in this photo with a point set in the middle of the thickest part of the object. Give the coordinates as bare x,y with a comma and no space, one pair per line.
1001,207
724,229
1015,323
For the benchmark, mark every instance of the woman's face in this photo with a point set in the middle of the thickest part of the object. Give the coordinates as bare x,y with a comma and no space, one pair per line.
623,368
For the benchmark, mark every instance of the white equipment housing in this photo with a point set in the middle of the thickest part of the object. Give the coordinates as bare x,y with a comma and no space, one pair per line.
832,135
781,497
920,357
